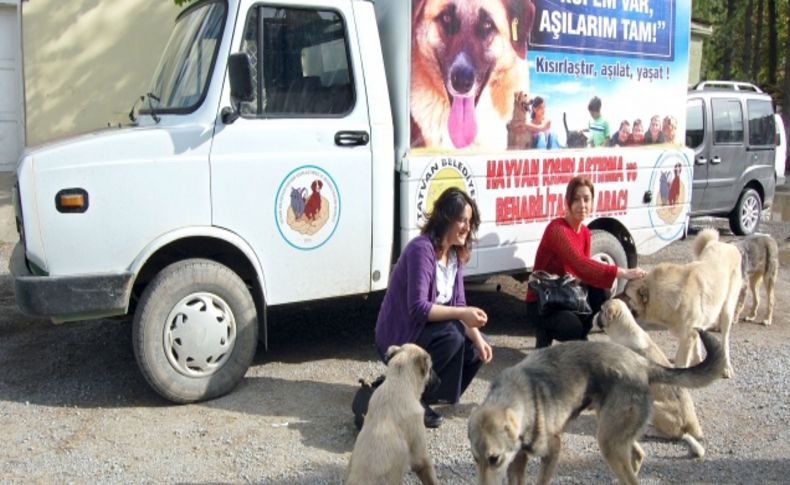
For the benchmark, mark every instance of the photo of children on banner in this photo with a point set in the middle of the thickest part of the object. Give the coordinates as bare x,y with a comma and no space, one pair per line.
668,129
542,137
623,136
598,126
637,133
654,133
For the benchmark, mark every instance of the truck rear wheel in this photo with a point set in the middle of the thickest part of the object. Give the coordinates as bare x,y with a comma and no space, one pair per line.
606,248
745,218
195,331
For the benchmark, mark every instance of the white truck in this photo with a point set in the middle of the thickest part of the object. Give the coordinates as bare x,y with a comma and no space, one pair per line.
287,150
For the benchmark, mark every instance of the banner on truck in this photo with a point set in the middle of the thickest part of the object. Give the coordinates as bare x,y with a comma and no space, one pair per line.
491,75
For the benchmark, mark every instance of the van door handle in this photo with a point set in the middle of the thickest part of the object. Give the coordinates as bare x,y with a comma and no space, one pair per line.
351,138
701,160
715,159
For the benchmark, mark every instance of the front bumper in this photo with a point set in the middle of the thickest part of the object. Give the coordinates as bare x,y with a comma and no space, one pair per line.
67,298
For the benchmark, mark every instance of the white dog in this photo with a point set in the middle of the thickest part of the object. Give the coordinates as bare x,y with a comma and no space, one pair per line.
392,438
700,294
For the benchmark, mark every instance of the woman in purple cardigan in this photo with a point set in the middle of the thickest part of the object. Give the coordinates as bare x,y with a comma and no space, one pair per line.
425,302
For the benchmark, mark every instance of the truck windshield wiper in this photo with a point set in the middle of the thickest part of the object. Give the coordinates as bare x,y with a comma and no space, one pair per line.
151,108
132,114
152,111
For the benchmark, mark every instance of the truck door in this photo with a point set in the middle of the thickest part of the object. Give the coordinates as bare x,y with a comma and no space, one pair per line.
292,175
727,154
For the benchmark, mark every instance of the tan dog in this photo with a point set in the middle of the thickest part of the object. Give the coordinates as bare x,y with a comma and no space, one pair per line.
468,59
529,405
674,415
392,438
684,297
518,135
760,256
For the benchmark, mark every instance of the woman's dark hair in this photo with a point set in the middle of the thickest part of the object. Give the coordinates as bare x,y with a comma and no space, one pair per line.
447,209
575,183
537,101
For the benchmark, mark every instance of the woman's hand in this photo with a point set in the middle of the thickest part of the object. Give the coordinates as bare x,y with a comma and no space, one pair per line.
631,273
483,348
474,317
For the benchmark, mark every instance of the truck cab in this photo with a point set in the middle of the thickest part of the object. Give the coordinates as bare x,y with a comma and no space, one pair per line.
209,208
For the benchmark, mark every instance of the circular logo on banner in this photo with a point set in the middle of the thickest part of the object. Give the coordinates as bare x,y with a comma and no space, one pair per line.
671,186
307,207
437,177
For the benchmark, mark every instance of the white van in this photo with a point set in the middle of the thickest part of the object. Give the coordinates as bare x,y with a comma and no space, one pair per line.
781,150
274,162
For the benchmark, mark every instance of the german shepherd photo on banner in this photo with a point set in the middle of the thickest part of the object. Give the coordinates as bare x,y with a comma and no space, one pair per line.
469,57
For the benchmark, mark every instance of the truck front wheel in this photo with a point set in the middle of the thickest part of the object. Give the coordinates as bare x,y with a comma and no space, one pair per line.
195,331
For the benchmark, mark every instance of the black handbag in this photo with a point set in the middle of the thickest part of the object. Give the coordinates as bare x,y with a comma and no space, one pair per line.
558,293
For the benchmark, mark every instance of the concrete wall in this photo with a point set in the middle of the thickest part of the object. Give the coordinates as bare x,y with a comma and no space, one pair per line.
86,61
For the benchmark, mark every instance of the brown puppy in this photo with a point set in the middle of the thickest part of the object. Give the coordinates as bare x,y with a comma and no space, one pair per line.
674,415
468,59
392,438
518,136
760,256
702,294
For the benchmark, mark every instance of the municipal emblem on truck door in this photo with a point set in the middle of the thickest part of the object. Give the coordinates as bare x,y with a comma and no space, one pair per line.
670,184
307,207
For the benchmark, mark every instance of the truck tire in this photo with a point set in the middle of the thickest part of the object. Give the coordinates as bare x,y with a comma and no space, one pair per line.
745,218
607,248
195,331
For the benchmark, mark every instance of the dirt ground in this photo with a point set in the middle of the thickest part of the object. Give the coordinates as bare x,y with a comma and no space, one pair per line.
75,409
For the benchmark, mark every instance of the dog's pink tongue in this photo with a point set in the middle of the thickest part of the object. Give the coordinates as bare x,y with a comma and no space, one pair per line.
462,123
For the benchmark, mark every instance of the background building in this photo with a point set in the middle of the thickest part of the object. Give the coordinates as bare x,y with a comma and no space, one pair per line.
86,61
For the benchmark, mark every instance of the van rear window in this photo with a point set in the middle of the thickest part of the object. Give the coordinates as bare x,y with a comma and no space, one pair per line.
727,121
762,130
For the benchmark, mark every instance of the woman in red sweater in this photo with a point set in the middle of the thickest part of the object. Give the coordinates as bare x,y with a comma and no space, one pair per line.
565,248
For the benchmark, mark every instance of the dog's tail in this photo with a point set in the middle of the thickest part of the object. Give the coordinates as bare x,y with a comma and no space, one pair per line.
694,446
705,237
772,259
700,375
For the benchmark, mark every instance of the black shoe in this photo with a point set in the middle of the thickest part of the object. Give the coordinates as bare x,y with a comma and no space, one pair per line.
432,419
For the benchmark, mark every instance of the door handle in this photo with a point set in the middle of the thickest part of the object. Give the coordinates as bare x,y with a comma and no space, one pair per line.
715,159
351,138
701,160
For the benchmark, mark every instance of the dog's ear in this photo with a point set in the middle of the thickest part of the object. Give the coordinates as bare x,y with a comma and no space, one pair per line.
425,364
391,351
643,293
521,15
417,7
512,426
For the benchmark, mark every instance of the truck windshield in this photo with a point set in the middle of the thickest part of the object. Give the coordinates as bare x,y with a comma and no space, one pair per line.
180,82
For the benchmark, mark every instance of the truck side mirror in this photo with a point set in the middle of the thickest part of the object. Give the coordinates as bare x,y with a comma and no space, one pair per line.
240,77
241,88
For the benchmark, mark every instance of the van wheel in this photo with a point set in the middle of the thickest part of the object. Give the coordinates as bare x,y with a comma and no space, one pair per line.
745,218
195,331
607,248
